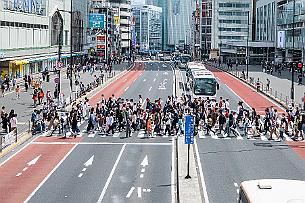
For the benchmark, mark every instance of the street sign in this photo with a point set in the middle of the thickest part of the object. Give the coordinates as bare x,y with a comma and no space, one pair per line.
189,130
56,80
97,20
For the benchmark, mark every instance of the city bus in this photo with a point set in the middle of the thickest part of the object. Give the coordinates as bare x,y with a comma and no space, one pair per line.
194,66
202,83
183,60
272,190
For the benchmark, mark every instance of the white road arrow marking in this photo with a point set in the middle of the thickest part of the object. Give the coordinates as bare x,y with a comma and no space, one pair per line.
130,192
139,192
89,162
145,161
33,161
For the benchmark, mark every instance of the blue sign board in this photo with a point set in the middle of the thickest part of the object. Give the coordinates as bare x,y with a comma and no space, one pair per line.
97,20
189,130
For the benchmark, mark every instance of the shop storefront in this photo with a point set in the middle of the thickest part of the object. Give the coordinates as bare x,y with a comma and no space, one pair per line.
18,68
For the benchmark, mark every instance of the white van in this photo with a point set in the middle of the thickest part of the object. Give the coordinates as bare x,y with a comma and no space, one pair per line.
272,191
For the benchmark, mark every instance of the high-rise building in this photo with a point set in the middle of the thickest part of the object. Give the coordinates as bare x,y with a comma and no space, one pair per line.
179,17
148,27
230,27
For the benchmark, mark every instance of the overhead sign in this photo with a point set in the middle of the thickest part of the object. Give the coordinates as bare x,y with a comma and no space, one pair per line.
189,130
97,20
37,7
281,39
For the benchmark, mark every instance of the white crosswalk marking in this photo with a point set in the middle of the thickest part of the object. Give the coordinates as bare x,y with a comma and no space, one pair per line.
116,134
91,135
263,137
141,134
214,136
165,136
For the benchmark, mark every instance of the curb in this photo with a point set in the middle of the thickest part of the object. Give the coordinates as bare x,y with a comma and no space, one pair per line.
277,101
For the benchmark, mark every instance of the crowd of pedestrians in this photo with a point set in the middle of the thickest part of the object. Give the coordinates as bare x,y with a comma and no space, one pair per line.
157,117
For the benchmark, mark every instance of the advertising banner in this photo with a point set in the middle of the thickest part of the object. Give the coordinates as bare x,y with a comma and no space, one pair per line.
281,39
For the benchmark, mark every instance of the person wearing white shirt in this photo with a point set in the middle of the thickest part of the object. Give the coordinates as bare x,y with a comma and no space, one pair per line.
13,122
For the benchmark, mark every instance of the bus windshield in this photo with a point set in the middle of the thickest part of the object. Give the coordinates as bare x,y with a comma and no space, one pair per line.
205,86
185,58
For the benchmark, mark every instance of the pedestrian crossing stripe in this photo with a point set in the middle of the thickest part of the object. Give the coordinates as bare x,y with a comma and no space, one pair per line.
92,134
141,134
116,134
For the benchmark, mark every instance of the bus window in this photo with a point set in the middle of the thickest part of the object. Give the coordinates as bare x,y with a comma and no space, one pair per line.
205,86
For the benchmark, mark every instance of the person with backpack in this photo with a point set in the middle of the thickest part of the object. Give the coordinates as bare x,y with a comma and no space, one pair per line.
91,121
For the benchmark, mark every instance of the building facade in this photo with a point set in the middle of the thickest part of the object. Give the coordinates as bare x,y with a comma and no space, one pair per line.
231,28
179,22
31,32
289,32
148,27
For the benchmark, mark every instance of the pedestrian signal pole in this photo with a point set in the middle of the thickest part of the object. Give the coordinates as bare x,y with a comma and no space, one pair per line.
189,139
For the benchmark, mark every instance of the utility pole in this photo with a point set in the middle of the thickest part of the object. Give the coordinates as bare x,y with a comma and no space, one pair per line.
71,43
292,64
247,50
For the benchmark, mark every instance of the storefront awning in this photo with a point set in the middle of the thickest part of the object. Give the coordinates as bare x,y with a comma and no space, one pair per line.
20,62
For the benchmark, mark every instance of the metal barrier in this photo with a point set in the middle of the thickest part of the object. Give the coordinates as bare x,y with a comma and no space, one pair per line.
8,139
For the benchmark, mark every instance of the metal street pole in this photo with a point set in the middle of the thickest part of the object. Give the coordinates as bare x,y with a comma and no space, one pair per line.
71,43
292,68
247,57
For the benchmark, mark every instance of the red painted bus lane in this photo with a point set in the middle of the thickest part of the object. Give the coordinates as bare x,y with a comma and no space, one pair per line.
25,171
119,86
250,96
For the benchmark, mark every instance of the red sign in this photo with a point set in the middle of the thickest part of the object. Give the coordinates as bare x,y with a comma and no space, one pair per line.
102,46
101,38
59,64
57,80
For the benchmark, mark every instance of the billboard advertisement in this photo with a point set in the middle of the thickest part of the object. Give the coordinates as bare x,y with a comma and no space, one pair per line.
281,39
97,20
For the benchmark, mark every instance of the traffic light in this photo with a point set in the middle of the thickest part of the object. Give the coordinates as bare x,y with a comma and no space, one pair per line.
300,66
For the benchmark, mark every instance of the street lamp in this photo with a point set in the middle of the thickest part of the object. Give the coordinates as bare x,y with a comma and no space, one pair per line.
247,50
71,39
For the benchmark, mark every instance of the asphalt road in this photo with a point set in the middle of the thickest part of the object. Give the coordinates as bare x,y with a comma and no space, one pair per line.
114,168
226,162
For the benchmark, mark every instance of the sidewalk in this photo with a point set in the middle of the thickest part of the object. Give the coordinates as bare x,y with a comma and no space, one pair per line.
24,106
280,86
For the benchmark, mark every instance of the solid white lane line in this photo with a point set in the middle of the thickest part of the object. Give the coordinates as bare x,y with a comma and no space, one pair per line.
142,170
111,174
53,170
150,89
102,143
25,169
18,174
84,169
155,80
134,79
173,174
126,89
80,175
204,188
